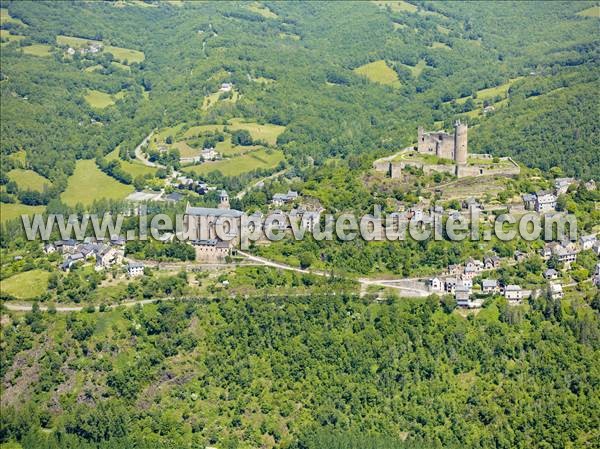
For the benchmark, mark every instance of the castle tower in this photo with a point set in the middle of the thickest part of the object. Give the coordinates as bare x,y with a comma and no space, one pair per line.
223,200
460,143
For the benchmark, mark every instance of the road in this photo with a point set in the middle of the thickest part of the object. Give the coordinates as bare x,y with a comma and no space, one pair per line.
241,194
140,155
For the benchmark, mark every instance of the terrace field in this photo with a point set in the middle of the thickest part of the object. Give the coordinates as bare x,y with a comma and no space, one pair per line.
89,183
28,179
263,159
26,285
379,72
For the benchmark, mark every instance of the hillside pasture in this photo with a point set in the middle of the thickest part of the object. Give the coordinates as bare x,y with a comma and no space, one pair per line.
267,132
121,54
262,10
26,285
198,130
593,11
100,100
89,183
264,159
133,167
5,17
10,211
379,72
28,179
440,45
6,36
417,69
40,50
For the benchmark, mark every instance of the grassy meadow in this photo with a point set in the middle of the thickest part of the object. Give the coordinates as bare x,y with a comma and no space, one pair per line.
26,285
28,179
133,167
89,183
267,133
100,100
242,164
38,50
10,211
397,6
379,72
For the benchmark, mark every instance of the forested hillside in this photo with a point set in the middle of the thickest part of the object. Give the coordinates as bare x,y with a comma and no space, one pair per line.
256,372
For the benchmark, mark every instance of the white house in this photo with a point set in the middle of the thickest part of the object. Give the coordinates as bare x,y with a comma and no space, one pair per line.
209,154
545,201
435,284
587,241
135,269
226,87
279,199
513,292
551,274
556,291
561,185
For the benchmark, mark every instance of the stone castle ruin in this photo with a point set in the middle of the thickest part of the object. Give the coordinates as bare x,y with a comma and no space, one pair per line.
444,145
451,151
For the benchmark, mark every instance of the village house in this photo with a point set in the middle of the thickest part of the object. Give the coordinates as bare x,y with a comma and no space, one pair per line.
455,269
49,248
209,154
226,87
561,185
545,201
556,291
65,246
520,256
551,274
587,241
71,260
279,199
135,269
590,185
513,292
529,201
596,248
565,252
435,284
489,286
450,285
108,256
491,262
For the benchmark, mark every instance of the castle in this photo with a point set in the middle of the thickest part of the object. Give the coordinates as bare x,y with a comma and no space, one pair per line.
453,149
444,145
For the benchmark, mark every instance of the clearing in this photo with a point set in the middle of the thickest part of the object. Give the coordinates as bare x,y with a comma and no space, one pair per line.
26,285
5,17
440,45
379,72
267,133
593,11
10,211
397,6
417,69
28,179
6,36
134,168
212,99
89,183
100,100
121,54
263,159
262,10
38,50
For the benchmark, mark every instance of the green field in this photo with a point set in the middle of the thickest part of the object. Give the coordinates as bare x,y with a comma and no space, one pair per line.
379,72
242,164
262,10
6,18
210,100
440,45
593,11
28,179
26,285
134,168
101,100
198,130
20,157
38,50
5,35
10,211
397,6
88,183
125,54
267,133
417,69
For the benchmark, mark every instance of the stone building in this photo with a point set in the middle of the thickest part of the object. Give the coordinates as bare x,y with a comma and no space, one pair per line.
444,145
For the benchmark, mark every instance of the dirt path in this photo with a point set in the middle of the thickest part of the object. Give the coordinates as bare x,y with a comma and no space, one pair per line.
140,155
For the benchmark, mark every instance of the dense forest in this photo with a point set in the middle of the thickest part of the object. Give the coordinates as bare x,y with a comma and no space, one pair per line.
243,373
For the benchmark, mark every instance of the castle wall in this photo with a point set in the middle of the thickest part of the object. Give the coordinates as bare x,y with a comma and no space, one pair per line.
439,143
460,143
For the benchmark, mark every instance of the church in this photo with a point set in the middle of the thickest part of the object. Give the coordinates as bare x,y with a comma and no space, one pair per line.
200,225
